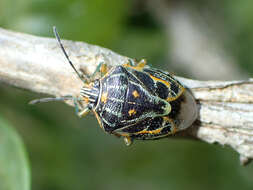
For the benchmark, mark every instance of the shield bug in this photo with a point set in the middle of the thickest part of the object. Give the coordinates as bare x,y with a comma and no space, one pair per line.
134,101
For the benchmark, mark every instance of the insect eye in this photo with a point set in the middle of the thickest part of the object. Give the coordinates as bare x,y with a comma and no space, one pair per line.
90,106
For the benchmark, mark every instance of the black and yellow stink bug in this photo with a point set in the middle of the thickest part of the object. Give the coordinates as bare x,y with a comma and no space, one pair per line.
136,101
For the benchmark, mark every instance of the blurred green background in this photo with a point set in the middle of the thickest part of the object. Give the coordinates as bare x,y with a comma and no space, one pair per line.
66,152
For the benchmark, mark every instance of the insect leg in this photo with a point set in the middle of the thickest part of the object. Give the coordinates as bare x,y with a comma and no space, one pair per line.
102,68
136,65
141,64
79,109
83,112
131,62
77,106
128,140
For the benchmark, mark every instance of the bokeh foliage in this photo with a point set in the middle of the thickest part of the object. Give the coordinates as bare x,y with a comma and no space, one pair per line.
14,167
66,152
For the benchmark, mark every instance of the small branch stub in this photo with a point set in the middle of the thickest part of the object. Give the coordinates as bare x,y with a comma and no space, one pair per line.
37,64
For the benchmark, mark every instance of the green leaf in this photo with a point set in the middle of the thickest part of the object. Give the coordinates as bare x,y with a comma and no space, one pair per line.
14,167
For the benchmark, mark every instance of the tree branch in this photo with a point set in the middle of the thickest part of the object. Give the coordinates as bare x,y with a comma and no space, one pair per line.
37,64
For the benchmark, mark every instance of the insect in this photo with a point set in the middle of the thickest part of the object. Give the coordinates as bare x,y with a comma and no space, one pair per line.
134,101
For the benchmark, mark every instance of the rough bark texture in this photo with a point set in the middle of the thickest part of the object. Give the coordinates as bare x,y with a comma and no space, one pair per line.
37,64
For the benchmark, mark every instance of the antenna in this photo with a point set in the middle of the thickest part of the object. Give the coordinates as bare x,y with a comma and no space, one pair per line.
42,100
66,55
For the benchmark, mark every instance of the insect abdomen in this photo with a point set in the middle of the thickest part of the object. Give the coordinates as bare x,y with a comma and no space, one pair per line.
124,101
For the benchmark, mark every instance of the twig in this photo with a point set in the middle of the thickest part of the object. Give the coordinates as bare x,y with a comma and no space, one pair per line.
37,64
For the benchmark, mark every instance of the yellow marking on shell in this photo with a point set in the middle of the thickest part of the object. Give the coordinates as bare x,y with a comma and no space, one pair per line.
99,121
160,80
182,89
173,126
156,131
136,94
166,83
104,97
131,112
140,65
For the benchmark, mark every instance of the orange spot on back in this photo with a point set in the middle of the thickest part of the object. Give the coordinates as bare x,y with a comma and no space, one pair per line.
156,131
160,80
104,97
131,112
136,94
